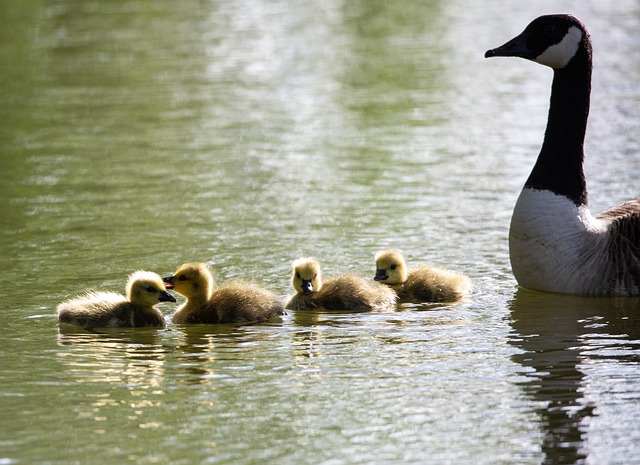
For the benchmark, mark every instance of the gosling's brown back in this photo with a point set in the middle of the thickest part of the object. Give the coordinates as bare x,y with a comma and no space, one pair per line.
428,284
234,302
345,293
107,309
238,302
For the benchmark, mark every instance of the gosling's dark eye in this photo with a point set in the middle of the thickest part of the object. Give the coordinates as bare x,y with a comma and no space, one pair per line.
298,275
182,277
315,276
394,266
151,289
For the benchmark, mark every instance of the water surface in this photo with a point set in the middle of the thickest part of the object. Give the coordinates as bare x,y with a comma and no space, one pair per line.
246,134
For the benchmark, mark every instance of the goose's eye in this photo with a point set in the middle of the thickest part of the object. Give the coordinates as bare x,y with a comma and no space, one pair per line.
394,266
550,30
315,276
298,275
182,277
151,289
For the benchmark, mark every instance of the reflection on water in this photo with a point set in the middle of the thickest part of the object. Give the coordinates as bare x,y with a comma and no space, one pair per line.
559,335
76,335
201,349
132,357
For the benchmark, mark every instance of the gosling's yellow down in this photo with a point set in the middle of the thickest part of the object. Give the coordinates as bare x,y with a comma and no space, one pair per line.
233,302
102,309
345,292
421,284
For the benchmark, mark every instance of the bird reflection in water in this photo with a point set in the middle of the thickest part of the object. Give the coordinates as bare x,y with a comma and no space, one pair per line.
557,335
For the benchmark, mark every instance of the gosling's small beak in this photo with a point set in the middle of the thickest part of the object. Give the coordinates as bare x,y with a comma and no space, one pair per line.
516,47
168,282
166,297
381,275
306,286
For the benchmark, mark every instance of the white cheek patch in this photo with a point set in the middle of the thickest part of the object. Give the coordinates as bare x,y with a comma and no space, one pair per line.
558,56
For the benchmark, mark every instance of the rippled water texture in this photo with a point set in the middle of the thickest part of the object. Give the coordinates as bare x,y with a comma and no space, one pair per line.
245,134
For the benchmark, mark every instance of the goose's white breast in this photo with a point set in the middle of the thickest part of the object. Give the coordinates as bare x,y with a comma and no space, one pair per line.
555,245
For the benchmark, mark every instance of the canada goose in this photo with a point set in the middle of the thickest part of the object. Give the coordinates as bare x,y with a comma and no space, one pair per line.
101,309
555,243
344,292
233,302
422,284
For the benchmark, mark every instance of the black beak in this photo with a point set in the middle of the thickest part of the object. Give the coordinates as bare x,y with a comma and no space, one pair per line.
166,297
168,282
516,47
381,275
306,286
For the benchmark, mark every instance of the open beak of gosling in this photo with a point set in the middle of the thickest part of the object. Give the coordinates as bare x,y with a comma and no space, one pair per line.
306,286
166,297
168,282
516,47
381,275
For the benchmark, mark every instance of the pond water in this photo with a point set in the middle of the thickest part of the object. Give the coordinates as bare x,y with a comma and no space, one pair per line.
245,134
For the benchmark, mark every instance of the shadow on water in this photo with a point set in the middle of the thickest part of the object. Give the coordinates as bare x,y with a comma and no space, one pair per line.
558,334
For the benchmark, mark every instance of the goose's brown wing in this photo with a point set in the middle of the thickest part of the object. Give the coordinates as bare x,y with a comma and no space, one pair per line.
624,222
624,245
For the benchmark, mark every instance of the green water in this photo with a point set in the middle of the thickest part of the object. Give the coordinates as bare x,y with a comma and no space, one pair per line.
144,134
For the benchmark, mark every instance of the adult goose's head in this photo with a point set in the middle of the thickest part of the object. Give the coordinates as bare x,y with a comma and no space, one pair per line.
562,43
551,40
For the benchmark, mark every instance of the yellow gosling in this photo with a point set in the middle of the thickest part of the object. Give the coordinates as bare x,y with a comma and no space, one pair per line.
103,309
339,293
234,302
421,284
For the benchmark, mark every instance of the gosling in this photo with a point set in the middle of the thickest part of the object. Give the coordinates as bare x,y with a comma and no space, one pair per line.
104,309
345,292
421,284
234,302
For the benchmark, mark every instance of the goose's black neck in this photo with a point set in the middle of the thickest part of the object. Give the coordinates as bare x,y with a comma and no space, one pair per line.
559,167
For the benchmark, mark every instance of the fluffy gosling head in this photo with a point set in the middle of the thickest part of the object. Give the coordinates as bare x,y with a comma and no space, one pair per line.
147,289
390,267
307,276
192,280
